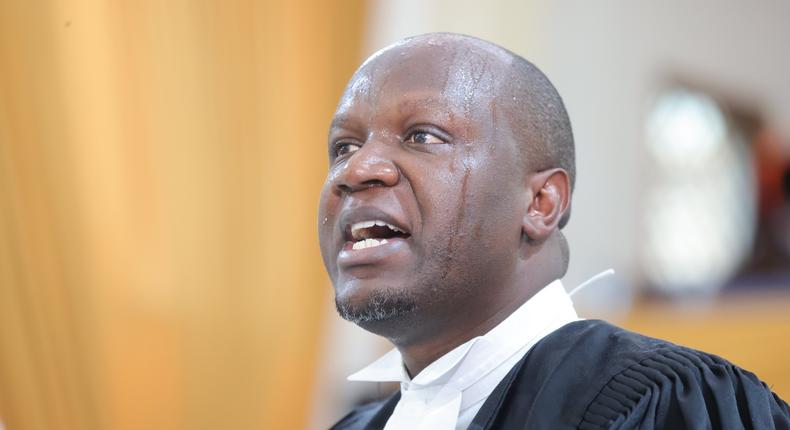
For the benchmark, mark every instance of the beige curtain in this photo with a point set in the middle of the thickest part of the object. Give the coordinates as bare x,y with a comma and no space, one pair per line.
159,170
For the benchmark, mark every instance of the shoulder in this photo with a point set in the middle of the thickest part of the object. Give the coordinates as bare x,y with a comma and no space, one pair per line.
593,375
631,381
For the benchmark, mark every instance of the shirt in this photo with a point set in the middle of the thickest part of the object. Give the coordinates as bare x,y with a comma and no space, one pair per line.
448,393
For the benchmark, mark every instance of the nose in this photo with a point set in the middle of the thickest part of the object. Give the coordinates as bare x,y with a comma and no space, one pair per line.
367,167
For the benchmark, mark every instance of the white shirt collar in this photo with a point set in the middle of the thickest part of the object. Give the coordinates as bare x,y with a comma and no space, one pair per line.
461,380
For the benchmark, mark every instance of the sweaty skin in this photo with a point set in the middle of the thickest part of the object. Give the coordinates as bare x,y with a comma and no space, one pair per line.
423,140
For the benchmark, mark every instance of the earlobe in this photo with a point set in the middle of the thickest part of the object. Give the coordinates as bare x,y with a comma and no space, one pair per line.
550,200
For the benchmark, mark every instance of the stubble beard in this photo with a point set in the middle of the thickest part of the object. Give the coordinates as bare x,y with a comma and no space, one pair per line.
380,306
391,310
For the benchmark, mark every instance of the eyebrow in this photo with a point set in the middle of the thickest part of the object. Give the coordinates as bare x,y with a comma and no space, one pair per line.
419,103
338,122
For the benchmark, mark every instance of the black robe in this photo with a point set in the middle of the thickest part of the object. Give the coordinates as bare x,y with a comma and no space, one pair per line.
593,375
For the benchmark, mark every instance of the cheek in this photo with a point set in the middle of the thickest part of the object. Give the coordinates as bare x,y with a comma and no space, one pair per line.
327,216
451,194
329,200
442,199
493,208
325,203
463,206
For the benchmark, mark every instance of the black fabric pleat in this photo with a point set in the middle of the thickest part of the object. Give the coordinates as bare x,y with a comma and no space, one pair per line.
591,375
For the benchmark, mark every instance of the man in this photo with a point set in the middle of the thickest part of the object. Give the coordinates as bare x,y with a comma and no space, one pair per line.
451,171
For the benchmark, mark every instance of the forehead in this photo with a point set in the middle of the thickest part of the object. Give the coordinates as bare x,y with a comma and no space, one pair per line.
462,80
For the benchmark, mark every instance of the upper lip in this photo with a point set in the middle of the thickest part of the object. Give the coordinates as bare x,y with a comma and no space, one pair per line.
368,213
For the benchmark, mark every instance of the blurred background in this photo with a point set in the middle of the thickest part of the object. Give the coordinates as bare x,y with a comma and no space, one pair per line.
160,164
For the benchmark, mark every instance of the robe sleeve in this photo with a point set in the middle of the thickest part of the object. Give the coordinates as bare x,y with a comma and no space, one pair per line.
680,388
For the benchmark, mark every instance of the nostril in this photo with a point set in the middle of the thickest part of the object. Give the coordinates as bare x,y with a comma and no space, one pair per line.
346,188
373,183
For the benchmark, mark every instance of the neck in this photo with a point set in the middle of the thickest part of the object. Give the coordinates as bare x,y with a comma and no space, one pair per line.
437,338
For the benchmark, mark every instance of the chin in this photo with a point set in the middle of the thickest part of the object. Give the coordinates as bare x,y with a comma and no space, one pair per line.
374,305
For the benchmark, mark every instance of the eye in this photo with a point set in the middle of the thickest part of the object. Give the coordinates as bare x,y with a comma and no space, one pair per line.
423,138
342,148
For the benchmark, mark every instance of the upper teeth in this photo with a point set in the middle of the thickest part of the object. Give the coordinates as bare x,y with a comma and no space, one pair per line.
368,243
357,227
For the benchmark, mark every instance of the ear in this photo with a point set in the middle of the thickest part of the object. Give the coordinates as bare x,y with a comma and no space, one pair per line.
550,192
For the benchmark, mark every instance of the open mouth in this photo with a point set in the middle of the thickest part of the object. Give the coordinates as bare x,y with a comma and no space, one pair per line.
373,233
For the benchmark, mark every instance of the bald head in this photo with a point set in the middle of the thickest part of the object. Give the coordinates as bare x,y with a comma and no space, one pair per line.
486,79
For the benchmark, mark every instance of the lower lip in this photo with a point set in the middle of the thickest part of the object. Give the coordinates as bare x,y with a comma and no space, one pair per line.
349,257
